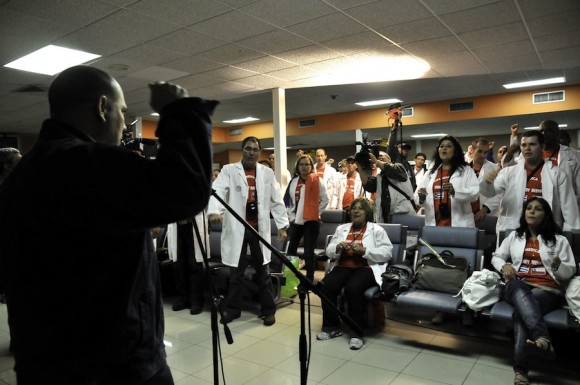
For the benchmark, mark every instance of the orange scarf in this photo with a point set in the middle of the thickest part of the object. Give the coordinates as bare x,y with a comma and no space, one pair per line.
311,198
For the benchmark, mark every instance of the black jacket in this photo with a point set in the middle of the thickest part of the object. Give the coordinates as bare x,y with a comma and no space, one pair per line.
78,263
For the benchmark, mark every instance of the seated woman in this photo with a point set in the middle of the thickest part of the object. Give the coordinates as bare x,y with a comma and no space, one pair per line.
541,266
363,249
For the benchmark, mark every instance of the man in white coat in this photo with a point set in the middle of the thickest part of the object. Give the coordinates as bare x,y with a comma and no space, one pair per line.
532,177
326,172
481,166
250,189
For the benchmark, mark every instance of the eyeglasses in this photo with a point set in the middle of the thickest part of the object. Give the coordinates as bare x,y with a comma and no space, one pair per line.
304,164
251,149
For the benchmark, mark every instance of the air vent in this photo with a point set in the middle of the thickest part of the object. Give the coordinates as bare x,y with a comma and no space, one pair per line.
31,88
408,111
549,97
463,106
9,141
235,131
307,123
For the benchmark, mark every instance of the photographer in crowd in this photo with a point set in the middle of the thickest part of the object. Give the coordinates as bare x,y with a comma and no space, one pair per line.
78,260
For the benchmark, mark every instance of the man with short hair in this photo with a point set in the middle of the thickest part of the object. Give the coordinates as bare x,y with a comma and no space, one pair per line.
483,206
78,261
420,168
251,190
398,153
348,188
532,177
326,172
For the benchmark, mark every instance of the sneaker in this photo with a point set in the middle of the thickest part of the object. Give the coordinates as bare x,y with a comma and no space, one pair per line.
269,320
229,317
323,336
521,379
355,343
180,306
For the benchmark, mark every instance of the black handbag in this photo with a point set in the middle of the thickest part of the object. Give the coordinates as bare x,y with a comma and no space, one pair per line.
396,278
445,274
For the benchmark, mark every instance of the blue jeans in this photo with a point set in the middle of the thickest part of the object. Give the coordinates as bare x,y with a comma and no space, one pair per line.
531,304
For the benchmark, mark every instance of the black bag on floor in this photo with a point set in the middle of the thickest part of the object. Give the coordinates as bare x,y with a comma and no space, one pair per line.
396,278
444,277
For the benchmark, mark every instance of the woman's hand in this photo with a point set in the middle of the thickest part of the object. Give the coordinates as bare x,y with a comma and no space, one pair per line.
422,193
358,249
556,262
448,187
508,271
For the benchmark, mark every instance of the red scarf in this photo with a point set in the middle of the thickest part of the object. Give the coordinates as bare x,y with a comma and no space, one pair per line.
311,198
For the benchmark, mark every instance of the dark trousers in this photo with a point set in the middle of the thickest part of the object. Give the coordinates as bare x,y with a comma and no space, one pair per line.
256,259
355,282
309,230
531,304
189,274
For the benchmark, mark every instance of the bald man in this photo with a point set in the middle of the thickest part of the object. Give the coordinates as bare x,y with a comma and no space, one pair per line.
79,267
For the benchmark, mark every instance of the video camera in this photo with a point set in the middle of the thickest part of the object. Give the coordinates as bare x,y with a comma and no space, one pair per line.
367,148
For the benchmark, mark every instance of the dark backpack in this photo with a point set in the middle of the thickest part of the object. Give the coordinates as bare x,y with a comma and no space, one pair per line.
396,279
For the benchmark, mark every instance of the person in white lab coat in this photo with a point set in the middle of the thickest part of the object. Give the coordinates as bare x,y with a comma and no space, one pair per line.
481,166
251,190
447,190
532,177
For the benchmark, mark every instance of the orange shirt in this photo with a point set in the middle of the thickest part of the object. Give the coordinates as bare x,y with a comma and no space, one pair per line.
320,171
348,258
532,270
551,156
534,185
348,196
440,196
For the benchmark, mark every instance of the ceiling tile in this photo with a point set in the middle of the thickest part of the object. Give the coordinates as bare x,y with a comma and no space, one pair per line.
150,54
489,37
428,28
309,54
180,12
155,74
266,64
567,22
327,27
435,46
507,50
524,62
232,26
230,54
441,7
497,13
197,81
186,42
286,13
367,41
385,12
533,9
193,65
229,73
274,42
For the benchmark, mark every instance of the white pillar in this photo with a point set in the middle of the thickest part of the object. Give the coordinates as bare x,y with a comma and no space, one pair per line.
279,119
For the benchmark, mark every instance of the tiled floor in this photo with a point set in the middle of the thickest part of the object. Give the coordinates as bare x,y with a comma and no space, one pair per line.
399,354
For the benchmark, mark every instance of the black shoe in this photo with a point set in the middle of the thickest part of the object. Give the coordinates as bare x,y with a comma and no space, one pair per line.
196,308
269,320
229,317
180,306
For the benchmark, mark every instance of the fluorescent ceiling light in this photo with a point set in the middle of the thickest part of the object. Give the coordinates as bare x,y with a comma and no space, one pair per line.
378,102
51,60
537,128
427,135
154,114
242,120
532,83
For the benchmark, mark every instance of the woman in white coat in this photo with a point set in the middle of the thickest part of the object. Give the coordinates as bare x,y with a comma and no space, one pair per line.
305,198
447,191
363,249
537,264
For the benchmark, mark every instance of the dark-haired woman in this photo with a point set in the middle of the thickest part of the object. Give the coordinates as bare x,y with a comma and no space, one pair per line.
447,190
537,264
363,249
305,198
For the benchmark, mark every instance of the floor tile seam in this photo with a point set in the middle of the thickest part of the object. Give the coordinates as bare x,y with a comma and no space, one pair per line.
410,375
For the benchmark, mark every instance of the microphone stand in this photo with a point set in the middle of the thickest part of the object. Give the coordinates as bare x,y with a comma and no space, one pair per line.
304,286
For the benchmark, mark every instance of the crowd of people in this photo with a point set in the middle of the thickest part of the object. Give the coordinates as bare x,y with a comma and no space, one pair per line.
534,188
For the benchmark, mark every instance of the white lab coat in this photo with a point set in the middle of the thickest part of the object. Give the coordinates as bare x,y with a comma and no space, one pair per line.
466,191
202,225
513,248
330,178
232,186
510,184
296,214
492,203
378,247
336,201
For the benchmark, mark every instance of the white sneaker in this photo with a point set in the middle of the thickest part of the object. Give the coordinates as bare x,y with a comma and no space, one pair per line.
323,336
355,343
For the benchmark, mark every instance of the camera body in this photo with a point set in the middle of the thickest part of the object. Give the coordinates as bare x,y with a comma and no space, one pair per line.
252,210
367,148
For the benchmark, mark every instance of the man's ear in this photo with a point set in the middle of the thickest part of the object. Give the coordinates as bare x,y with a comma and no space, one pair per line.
102,108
